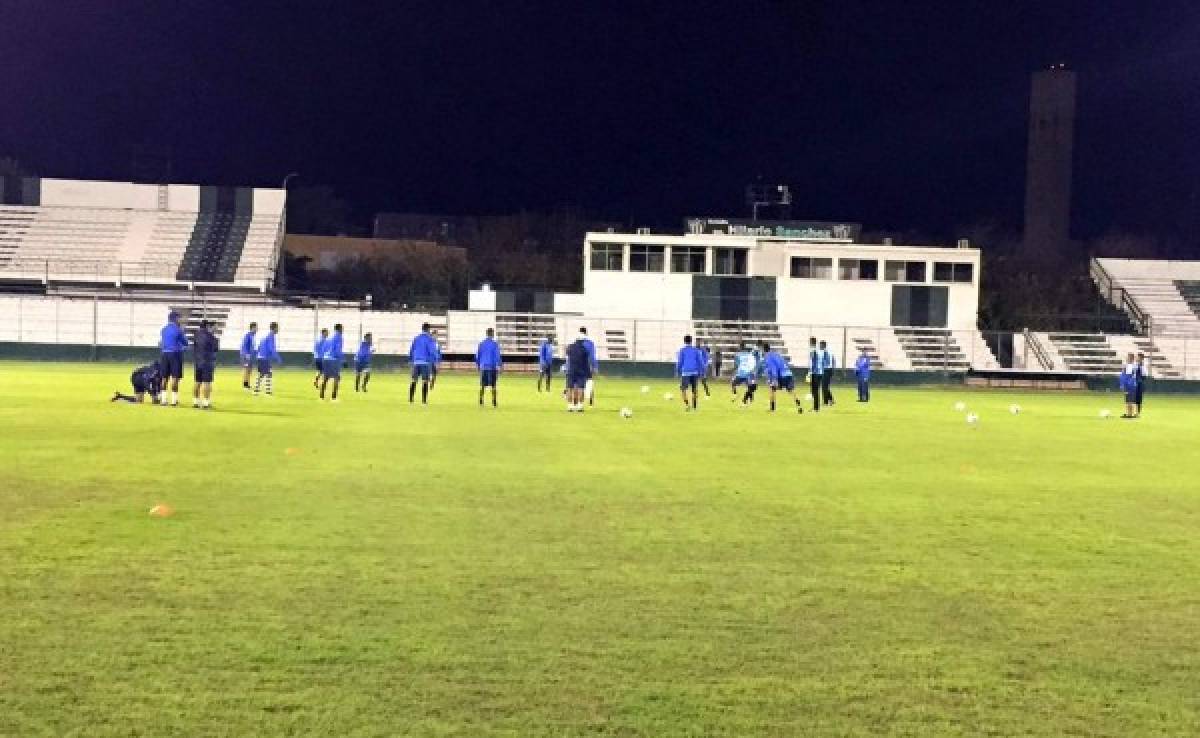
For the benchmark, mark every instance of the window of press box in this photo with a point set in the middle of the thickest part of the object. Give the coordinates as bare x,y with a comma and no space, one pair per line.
607,257
904,271
858,269
645,258
811,267
729,261
945,271
687,259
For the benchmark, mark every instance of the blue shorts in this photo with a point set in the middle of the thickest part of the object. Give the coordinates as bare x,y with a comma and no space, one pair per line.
1131,396
748,381
172,365
577,381
421,371
264,367
332,368
362,365
487,377
204,373
689,381
784,383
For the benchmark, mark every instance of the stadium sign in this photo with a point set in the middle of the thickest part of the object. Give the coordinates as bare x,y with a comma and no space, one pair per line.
773,228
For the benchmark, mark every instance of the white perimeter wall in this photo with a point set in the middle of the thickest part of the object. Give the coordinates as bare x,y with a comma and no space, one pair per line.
130,196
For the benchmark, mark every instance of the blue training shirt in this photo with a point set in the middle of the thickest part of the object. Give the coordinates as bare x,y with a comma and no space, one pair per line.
364,352
777,366
745,364
333,347
546,354
487,356
424,350
174,340
248,344
862,367
690,362
267,350
591,350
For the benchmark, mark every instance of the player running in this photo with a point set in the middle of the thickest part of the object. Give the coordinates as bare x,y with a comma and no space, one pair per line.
423,354
690,366
545,362
319,347
779,376
268,355
247,352
487,358
146,380
331,362
362,362
745,371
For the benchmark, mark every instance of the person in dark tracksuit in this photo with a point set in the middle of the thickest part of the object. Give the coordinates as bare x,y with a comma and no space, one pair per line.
1140,375
204,357
145,380
816,369
862,372
546,362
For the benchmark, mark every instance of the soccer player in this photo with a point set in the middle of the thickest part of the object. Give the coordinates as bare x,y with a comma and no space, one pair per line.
331,362
690,366
579,372
145,380
487,358
1128,383
319,356
707,367
423,355
745,371
173,342
546,362
862,372
816,367
593,366
1143,373
436,365
247,352
204,358
827,365
268,355
362,362
779,376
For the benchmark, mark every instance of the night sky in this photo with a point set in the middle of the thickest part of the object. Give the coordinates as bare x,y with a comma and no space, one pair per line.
901,115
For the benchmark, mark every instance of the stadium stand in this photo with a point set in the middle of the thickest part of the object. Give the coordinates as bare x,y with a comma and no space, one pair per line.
85,232
1160,296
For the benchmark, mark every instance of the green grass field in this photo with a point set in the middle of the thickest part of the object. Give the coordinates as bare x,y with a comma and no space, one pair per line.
377,569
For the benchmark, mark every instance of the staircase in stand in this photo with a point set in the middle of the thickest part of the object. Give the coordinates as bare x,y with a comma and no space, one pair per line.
1088,353
522,333
729,336
932,349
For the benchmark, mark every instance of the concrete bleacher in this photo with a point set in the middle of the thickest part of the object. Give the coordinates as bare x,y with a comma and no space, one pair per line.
116,233
1166,293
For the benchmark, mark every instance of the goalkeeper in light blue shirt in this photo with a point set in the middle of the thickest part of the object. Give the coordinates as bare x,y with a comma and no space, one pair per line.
745,371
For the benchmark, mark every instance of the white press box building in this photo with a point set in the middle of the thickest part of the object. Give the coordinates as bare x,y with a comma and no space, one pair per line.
728,281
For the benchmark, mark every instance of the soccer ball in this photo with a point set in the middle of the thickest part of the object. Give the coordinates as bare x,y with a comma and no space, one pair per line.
972,419
1105,414
960,406
645,389
626,412
1014,409
668,397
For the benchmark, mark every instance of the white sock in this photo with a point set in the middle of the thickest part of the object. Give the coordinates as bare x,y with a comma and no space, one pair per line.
195,402
174,397
205,402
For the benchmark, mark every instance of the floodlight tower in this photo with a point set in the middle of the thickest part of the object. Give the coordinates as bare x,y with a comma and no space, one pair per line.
759,195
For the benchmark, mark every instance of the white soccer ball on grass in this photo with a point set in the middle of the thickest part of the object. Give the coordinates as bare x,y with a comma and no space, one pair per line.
972,419
668,396
626,412
960,406
1105,414
1015,409
645,389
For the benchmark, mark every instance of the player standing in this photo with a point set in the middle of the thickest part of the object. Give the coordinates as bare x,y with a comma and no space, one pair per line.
247,353
268,355
816,367
546,362
690,365
204,358
779,376
862,372
579,372
362,362
319,356
487,359
423,355
1128,382
593,367
331,362
173,342
1143,373
827,365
